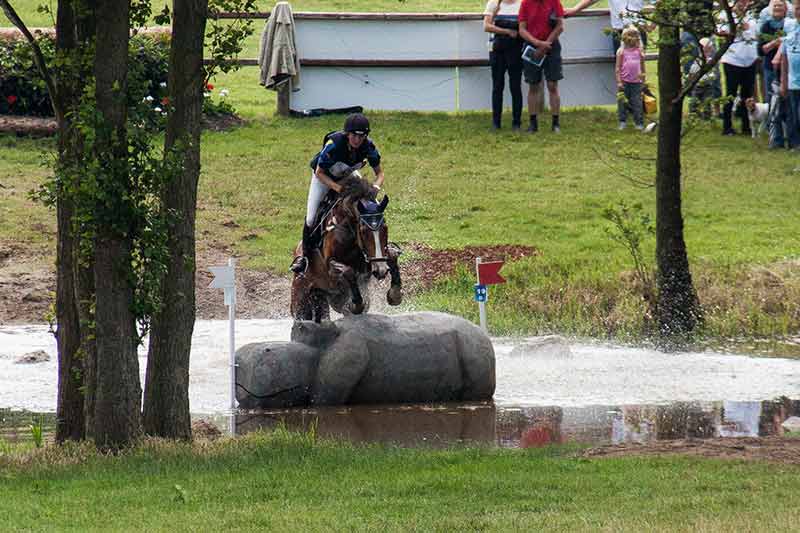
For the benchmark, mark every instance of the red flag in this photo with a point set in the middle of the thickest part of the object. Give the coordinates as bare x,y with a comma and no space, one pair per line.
489,273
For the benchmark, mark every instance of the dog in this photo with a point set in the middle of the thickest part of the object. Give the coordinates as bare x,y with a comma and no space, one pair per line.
757,112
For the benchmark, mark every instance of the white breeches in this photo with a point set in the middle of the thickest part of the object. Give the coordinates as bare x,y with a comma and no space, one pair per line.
316,192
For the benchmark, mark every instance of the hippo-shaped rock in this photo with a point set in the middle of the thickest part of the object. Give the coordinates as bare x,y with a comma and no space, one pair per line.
415,357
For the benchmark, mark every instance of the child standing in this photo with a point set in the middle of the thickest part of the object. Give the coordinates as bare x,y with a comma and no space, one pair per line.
630,70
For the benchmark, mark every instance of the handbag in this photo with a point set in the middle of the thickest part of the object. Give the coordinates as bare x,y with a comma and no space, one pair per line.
649,102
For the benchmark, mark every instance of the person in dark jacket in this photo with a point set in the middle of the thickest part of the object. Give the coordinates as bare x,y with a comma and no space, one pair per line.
341,150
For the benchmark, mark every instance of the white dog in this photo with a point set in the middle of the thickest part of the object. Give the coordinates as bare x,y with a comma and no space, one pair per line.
757,112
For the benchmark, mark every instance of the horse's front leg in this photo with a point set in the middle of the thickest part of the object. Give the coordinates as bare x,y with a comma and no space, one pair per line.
341,271
394,296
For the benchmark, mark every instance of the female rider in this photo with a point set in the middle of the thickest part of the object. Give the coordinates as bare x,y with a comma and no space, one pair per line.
348,147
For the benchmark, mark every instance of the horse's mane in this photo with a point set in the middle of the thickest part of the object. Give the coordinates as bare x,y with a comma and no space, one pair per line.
354,189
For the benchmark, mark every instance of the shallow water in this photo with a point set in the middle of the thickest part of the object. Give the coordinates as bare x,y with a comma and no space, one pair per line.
547,388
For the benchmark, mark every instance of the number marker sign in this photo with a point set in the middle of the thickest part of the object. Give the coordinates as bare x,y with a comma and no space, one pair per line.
488,274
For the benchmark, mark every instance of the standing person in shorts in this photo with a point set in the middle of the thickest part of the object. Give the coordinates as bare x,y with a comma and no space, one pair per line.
540,24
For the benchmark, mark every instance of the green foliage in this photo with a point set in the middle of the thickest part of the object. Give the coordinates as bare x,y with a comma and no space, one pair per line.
23,92
37,432
630,227
22,89
226,38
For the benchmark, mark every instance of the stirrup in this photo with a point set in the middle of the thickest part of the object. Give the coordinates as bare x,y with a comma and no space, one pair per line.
299,265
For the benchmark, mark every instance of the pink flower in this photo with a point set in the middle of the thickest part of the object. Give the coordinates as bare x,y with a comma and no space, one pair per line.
11,99
165,100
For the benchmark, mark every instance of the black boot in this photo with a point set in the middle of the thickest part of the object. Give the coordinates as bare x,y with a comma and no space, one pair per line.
300,263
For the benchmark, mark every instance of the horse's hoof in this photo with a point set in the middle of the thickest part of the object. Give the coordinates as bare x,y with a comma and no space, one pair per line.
357,309
394,296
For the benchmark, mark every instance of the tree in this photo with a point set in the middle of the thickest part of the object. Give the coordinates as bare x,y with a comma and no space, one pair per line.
73,33
166,401
678,308
117,388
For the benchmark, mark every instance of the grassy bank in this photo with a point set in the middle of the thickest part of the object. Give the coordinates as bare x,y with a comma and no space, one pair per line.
286,482
453,183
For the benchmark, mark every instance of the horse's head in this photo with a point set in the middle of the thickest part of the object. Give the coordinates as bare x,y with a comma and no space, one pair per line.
373,235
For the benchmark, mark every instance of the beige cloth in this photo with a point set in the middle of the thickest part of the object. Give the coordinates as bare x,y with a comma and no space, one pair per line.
278,58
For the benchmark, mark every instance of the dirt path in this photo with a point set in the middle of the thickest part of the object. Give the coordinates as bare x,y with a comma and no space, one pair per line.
773,449
27,280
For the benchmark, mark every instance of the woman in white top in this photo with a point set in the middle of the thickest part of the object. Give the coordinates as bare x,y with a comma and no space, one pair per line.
739,64
505,54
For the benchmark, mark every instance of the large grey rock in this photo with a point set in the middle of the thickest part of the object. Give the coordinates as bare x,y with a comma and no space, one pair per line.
416,357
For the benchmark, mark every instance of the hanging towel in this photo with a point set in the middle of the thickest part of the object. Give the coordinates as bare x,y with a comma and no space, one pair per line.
278,57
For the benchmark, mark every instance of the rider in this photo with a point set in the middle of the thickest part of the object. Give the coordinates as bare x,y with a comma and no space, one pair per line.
348,147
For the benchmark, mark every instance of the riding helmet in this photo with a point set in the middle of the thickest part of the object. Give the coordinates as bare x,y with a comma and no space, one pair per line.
356,123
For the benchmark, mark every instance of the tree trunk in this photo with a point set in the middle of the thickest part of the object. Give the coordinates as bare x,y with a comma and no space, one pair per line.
678,307
118,392
70,423
166,401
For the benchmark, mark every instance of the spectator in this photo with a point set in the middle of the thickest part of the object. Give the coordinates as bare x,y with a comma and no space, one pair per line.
769,41
622,13
790,82
630,71
766,13
738,64
540,24
505,55
708,89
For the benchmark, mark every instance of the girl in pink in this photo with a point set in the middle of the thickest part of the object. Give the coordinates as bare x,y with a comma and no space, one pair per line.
630,77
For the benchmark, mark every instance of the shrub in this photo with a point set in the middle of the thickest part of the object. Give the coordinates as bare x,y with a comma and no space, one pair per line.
23,92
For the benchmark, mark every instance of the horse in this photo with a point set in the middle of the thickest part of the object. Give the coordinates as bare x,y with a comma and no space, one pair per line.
355,248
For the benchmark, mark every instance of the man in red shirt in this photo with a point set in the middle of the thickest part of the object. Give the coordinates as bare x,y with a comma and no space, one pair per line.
540,24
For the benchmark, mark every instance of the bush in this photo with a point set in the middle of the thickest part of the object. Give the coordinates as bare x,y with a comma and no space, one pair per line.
23,92
22,89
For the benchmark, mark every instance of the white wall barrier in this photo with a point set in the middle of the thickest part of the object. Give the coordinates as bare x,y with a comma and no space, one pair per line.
431,62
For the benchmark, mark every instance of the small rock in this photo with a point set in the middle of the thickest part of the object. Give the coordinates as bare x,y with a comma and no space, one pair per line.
39,356
791,424
549,347
34,297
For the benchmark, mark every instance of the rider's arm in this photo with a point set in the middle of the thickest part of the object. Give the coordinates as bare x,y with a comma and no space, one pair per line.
326,180
378,176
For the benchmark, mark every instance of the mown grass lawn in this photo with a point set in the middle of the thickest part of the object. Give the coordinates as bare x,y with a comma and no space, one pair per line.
454,183
289,482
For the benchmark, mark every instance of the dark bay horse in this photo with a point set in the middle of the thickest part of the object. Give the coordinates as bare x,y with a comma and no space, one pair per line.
355,248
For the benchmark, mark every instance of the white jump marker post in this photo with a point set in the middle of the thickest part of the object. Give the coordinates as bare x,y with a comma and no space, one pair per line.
225,278
487,274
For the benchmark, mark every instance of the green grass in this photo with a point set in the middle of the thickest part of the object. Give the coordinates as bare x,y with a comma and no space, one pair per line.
289,482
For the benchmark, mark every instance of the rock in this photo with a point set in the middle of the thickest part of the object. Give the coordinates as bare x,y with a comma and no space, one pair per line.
203,429
791,424
34,297
549,347
39,356
416,357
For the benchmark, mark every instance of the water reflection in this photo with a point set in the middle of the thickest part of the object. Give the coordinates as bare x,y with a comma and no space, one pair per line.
490,425
527,427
